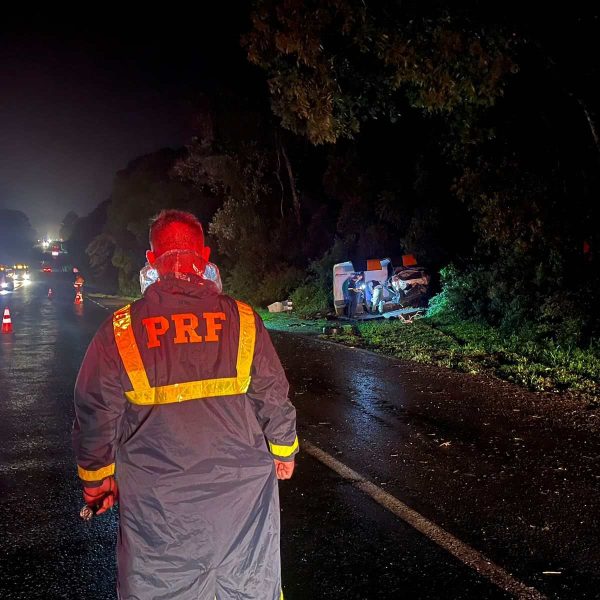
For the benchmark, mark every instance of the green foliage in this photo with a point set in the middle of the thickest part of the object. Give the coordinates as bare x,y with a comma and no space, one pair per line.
321,270
17,237
128,269
527,270
261,241
291,322
474,347
335,68
139,192
433,148
441,304
311,300
333,65
91,251
99,255
563,318
241,224
484,295
261,288
463,295
68,224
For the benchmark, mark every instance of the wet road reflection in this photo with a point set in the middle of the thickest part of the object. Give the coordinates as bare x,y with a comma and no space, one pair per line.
496,468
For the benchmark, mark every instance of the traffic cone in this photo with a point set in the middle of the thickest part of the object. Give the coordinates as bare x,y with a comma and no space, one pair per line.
50,293
78,297
6,322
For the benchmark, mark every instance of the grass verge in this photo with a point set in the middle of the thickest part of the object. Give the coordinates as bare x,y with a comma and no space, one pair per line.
111,296
476,348
289,322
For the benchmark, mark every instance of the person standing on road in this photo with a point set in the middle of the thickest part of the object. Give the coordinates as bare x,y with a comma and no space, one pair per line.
175,397
79,281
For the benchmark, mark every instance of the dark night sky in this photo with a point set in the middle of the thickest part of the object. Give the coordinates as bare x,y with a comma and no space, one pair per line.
78,102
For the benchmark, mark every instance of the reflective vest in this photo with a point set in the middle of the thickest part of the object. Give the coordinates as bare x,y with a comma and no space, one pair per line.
144,393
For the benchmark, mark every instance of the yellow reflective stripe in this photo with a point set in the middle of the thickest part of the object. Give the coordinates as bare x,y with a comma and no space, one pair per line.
143,393
192,390
128,349
246,343
282,450
96,475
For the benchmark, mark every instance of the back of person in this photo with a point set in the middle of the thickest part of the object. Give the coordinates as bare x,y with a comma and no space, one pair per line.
188,334
173,401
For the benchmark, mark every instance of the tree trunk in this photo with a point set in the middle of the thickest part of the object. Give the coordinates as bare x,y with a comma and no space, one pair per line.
295,199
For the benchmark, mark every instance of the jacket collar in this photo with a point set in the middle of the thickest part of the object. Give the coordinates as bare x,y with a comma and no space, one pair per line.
176,289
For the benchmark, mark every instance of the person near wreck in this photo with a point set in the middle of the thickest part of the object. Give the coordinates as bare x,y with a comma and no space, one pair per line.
182,414
377,301
355,293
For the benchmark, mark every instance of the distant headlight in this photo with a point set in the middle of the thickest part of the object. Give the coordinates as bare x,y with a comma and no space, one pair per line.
27,276
3,285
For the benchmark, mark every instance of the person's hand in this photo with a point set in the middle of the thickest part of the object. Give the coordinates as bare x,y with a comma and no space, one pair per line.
283,469
103,497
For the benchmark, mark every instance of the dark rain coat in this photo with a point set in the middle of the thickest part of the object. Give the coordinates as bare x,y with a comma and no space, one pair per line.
198,496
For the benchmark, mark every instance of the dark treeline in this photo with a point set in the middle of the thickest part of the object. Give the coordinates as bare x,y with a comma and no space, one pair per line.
17,237
356,130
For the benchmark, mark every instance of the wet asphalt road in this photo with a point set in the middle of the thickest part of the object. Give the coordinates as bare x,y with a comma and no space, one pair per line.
515,475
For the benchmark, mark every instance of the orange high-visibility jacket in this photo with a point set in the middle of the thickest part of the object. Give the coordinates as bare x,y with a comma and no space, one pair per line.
183,398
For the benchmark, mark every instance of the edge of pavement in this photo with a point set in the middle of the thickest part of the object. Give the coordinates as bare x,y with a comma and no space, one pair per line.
552,401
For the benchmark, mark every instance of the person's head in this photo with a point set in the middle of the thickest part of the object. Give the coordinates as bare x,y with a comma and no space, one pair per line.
176,230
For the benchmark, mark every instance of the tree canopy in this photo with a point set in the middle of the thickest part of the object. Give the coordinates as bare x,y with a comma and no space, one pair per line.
332,65
17,237
465,134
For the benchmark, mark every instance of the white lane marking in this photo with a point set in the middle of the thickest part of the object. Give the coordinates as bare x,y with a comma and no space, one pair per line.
97,303
465,553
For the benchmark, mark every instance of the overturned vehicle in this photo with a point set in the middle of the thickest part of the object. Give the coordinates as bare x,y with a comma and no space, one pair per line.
377,289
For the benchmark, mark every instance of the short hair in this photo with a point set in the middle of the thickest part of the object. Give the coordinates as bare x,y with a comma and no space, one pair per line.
175,230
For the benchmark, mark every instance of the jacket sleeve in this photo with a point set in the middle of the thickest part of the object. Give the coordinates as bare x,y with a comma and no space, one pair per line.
269,394
99,408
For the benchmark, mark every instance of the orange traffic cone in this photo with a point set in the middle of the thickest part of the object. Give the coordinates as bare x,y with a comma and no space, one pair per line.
79,297
50,293
6,322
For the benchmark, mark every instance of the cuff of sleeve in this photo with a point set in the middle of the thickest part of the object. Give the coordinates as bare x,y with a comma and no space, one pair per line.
283,451
95,476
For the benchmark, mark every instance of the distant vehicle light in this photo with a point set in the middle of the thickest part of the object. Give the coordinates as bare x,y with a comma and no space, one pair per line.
3,285
54,253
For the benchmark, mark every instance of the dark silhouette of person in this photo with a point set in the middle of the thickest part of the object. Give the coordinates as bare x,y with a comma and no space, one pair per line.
355,291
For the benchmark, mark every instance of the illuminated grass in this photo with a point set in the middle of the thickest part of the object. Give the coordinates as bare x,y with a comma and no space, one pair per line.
476,348
111,296
289,322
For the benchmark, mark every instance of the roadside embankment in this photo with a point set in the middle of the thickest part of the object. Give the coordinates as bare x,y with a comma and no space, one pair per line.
466,347
461,346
